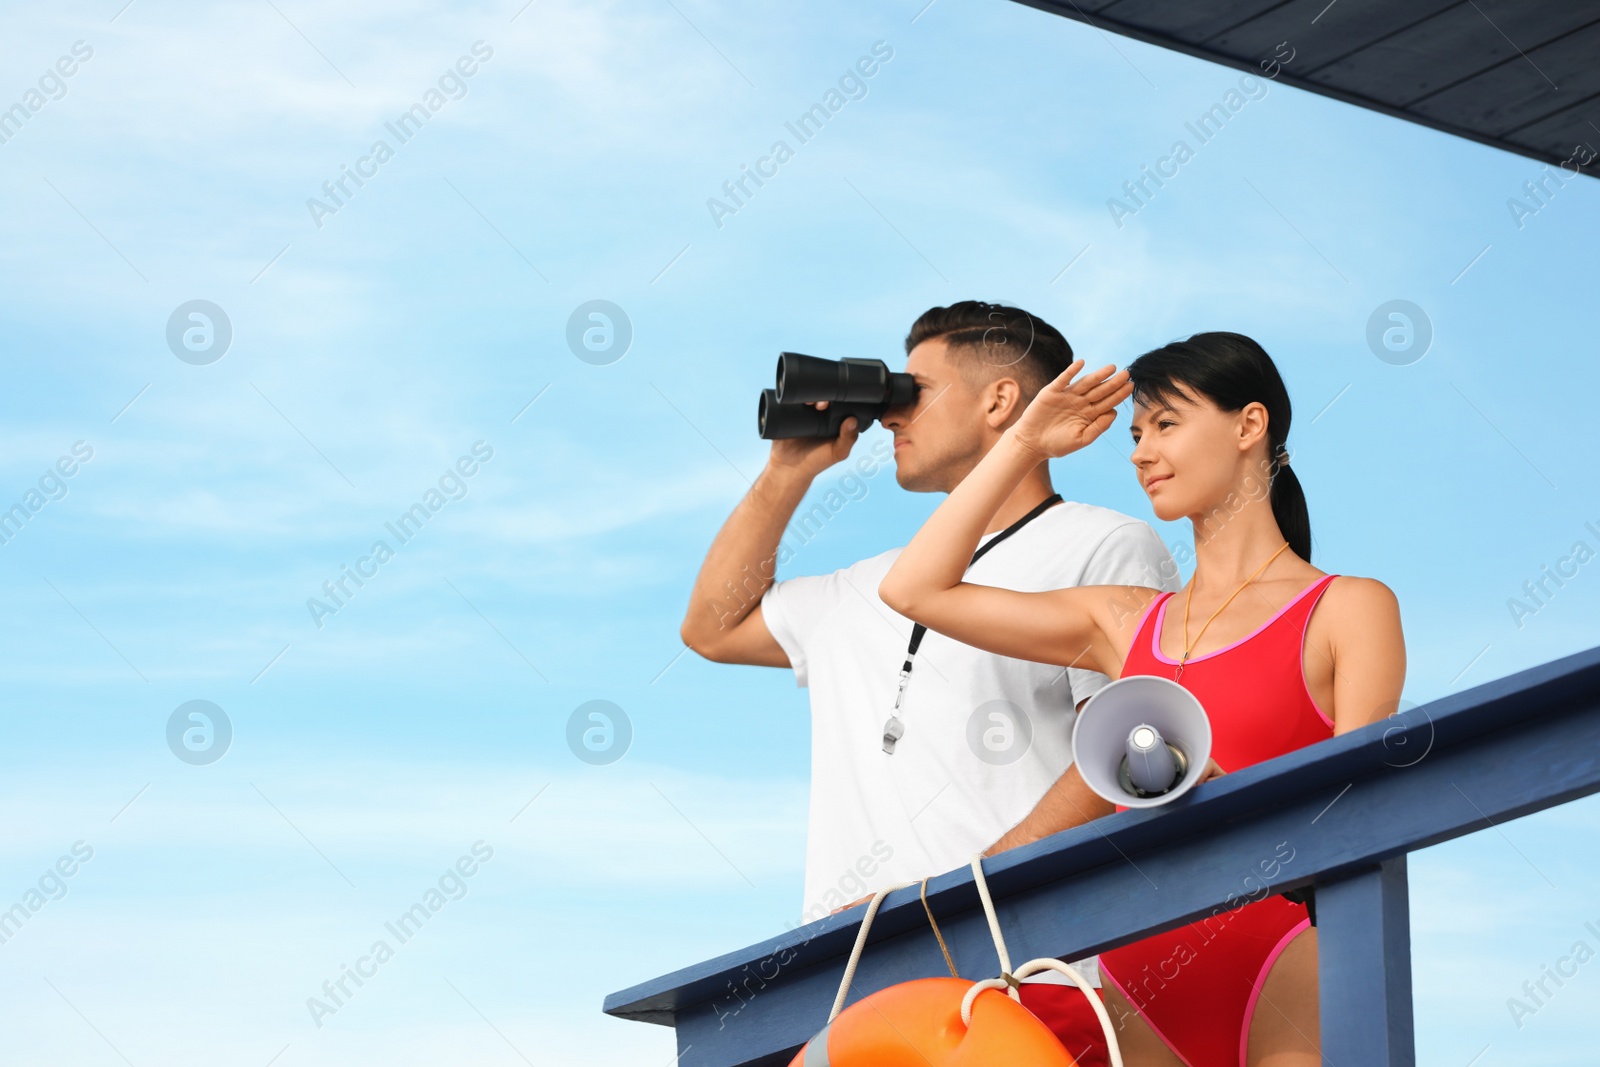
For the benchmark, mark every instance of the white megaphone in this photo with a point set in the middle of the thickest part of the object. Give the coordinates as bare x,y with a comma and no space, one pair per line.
1142,741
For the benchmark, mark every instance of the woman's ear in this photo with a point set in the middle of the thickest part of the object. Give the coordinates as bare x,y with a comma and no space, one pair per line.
1252,423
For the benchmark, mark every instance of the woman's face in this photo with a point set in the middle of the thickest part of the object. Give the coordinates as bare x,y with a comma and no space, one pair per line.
1190,455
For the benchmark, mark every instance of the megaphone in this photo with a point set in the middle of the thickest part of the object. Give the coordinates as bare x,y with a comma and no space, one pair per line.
1142,741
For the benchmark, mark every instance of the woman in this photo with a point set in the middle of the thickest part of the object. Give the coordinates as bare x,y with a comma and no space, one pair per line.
1280,653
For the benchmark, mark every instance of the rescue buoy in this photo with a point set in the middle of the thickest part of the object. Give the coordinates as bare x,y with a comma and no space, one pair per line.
918,1024
946,1022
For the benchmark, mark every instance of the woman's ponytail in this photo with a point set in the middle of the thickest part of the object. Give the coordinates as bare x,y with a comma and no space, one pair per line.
1289,506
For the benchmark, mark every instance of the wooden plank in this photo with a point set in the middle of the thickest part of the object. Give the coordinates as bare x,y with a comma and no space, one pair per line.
1193,20
1364,969
1564,132
1521,89
1501,750
1454,45
1210,19
1340,29
1082,7
1464,39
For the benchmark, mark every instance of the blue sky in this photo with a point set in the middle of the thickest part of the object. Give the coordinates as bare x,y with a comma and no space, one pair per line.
372,352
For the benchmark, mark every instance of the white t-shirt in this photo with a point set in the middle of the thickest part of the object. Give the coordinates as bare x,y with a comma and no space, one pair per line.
985,735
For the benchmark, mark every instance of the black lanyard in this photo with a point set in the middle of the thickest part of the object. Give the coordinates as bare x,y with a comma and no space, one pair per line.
893,730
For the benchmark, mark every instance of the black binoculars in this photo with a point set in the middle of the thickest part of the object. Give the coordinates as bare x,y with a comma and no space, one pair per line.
865,388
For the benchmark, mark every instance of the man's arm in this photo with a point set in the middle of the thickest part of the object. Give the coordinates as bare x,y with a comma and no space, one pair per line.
724,621
1067,803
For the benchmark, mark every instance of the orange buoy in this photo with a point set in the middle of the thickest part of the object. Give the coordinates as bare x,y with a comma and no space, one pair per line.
918,1024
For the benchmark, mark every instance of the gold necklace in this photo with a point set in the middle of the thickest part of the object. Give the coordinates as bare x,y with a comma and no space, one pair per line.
1189,597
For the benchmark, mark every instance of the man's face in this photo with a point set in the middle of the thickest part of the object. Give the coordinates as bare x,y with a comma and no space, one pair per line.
940,436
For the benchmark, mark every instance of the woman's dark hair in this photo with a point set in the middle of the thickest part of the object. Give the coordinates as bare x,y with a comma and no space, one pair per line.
1231,370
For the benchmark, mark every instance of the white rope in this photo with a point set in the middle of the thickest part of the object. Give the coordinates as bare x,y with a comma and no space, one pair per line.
872,911
994,928
1033,967
861,943
1008,980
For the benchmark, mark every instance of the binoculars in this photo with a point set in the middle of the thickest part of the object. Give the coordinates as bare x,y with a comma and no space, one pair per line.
865,388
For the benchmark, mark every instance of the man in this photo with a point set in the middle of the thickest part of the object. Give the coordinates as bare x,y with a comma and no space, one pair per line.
983,737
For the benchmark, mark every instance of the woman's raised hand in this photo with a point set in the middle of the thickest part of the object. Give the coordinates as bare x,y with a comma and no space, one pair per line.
1067,414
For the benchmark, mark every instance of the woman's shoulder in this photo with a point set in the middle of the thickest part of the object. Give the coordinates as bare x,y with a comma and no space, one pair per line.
1352,599
1355,588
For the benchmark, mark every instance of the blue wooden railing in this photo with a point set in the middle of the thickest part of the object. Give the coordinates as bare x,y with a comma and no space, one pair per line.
1350,808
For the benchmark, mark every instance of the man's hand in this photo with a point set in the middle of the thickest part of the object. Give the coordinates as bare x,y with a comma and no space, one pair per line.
1068,803
853,903
811,456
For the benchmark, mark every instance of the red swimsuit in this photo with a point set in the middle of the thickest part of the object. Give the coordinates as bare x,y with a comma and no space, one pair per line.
1197,985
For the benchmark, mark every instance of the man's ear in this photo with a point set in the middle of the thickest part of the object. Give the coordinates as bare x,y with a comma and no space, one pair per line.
1005,402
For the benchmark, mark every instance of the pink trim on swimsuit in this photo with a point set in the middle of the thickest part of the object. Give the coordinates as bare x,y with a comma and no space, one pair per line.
1255,993
1138,627
1155,638
1105,976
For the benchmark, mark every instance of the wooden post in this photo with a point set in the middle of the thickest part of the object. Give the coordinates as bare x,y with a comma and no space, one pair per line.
1364,969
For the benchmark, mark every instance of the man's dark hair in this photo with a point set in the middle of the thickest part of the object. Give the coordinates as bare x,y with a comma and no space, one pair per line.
988,341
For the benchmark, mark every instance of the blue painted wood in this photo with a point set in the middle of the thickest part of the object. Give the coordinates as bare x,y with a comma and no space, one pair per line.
1501,750
1364,968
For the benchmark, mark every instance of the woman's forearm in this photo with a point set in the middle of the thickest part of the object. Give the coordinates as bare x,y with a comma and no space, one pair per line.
937,556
